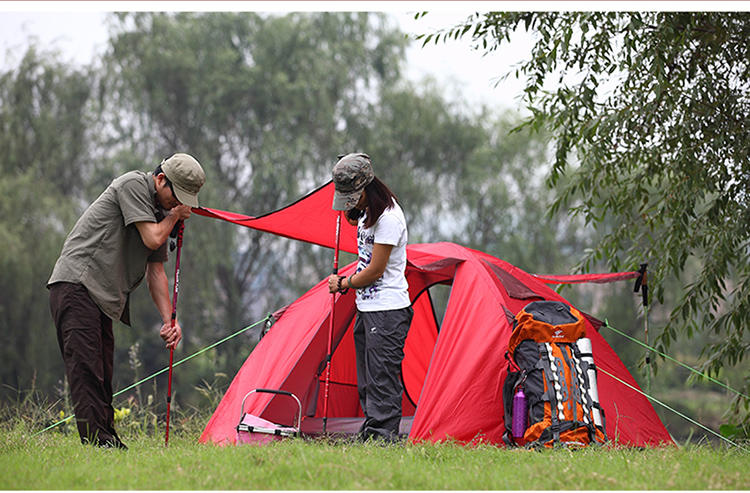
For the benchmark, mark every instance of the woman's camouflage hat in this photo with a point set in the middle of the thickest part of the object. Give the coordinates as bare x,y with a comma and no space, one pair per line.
351,175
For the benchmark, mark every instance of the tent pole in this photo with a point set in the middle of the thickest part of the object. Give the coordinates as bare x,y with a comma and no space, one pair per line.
330,325
174,318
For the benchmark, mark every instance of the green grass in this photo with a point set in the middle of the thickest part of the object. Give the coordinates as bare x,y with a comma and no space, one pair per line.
55,460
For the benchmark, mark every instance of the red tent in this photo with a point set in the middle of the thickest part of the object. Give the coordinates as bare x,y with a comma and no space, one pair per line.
452,372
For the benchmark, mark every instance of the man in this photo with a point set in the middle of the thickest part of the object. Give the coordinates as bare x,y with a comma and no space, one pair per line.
117,241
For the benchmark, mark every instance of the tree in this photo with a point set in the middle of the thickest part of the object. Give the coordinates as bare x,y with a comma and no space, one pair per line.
651,113
261,101
43,118
43,134
264,103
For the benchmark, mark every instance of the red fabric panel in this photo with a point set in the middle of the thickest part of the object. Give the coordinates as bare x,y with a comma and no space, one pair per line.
581,278
630,417
514,287
310,219
461,397
418,349
271,362
343,400
311,363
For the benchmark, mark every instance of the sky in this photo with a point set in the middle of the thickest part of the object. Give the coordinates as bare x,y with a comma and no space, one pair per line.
78,31
466,76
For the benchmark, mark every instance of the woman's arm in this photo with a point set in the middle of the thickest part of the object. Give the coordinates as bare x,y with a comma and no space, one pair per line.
380,255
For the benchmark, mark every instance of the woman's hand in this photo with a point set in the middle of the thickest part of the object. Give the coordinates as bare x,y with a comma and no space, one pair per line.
333,283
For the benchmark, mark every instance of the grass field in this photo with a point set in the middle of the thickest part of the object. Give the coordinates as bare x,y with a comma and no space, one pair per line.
58,461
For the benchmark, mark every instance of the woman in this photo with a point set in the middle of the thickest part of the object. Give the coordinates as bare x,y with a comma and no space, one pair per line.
384,310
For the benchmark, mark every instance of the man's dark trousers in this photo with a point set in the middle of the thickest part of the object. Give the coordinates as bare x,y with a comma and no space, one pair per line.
86,341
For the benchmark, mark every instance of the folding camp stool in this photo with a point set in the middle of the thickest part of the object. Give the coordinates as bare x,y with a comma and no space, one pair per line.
256,430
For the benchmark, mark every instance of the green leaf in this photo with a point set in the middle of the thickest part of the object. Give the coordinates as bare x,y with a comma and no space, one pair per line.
729,431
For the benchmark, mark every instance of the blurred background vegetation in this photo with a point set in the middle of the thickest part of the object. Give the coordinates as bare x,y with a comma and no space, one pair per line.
266,103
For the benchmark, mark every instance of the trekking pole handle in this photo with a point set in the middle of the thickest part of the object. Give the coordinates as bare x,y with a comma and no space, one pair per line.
180,231
641,283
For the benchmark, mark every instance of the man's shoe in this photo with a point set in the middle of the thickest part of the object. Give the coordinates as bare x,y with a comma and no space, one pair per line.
113,443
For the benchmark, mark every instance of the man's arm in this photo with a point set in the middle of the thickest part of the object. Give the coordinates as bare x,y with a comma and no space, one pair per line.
158,285
155,235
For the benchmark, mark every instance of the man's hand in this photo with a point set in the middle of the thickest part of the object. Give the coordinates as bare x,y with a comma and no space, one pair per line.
181,212
155,235
171,335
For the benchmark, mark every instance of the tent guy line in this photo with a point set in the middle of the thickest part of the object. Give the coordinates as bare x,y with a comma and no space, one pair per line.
254,324
166,368
678,413
666,356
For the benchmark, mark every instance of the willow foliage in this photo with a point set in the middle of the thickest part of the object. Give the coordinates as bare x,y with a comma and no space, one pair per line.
651,117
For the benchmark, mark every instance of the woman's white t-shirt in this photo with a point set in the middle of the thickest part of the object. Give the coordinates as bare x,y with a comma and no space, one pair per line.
390,291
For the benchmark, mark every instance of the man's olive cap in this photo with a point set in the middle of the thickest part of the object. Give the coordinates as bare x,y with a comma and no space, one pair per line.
186,175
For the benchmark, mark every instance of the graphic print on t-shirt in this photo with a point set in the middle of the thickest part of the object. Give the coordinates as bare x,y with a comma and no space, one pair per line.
365,242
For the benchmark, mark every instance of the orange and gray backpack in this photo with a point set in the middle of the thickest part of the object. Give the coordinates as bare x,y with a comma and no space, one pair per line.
550,395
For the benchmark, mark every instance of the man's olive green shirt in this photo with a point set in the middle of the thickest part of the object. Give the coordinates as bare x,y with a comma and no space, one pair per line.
105,252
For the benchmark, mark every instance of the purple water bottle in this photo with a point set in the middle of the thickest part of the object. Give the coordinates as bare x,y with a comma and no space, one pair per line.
518,426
